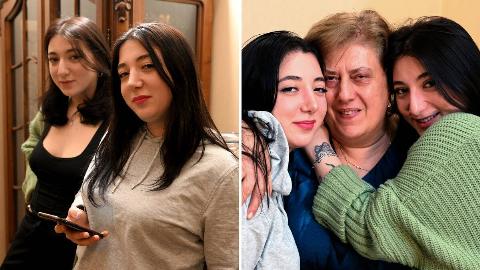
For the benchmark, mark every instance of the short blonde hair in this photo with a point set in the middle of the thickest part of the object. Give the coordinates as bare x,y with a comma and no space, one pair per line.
336,30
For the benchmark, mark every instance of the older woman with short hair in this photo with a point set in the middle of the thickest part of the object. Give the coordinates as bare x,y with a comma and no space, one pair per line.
364,132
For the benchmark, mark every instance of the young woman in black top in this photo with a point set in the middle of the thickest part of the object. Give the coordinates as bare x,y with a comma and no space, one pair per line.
73,119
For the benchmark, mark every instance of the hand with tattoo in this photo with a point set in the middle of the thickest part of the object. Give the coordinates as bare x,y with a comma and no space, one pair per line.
321,153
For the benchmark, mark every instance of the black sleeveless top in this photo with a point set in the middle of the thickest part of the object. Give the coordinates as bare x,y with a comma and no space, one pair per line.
59,179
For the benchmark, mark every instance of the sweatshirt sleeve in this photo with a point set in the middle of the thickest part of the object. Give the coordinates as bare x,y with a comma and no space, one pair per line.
221,224
78,199
35,131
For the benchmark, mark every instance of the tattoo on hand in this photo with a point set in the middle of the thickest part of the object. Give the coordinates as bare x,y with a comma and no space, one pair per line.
322,151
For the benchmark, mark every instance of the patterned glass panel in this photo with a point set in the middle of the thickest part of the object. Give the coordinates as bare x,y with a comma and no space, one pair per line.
17,32
19,174
18,96
67,8
32,54
88,9
180,15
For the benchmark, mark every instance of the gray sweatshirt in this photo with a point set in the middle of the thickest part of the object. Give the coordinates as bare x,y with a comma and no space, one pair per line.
190,224
267,242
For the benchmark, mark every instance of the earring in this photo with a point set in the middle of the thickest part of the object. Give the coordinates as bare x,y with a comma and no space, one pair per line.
100,74
391,100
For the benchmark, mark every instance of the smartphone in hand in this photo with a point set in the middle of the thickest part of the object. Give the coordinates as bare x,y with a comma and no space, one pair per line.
65,222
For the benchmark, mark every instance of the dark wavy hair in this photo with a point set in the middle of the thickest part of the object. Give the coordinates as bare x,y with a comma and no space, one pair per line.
188,126
261,59
448,54
83,34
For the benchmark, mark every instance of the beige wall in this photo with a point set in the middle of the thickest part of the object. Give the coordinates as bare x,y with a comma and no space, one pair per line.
224,98
260,16
465,12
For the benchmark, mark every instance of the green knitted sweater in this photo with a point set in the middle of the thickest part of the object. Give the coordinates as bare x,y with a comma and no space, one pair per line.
428,217
35,128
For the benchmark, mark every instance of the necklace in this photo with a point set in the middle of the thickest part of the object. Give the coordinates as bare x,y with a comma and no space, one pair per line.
348,161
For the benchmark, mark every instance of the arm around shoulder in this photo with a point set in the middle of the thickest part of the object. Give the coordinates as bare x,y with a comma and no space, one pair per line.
407,216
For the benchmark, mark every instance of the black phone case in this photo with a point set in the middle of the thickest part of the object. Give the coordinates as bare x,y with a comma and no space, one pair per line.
69,224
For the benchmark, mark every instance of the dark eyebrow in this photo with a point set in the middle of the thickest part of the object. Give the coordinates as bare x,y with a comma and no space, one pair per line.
423,75
419,77
68,51
330,72
353,71
397,82
296,78
290,77
140,58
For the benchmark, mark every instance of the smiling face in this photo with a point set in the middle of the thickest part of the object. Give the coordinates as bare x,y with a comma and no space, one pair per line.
69,70
300,106
144,91
357,94
417,97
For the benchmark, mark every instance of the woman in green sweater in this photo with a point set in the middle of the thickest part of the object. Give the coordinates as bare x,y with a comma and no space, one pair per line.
428,216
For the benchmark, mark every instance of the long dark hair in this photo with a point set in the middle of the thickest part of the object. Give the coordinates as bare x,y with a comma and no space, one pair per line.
261,59
448,54
188,127
83,34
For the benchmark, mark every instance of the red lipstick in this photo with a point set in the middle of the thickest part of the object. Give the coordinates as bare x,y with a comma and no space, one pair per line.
307,124
140,99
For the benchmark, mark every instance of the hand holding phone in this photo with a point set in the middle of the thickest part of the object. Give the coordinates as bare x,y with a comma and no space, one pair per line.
69,224
65,222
